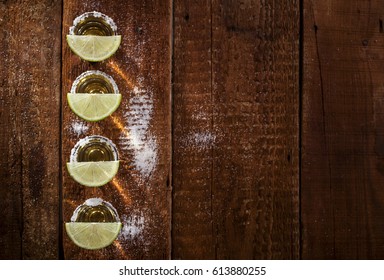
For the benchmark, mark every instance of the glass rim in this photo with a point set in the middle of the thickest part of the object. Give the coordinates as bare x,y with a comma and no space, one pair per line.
84,141
96,73
94,14
92,202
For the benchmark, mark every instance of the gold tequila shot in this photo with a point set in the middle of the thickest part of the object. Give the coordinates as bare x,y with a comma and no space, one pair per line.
93,23
94,161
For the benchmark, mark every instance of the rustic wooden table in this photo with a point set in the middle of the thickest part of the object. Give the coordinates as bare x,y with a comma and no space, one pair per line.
248,129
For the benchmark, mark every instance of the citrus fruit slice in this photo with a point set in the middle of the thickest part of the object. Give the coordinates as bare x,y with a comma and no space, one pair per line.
93,173
92,236
95,106
94,48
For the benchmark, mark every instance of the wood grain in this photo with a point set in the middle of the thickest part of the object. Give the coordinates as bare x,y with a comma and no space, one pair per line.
235,119
342,161
30,128
140,128
235,147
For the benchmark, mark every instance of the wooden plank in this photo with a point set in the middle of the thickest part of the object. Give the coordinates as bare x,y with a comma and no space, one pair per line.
140,128
342,170
236,130
30,128
192,134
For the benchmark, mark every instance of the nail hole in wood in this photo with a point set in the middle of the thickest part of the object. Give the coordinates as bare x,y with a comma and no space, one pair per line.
139,30
315,28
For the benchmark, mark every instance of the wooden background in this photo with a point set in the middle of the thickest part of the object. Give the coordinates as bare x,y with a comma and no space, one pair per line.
249,129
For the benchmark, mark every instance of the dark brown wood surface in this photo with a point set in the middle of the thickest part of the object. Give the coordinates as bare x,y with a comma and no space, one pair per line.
342,136
140,128
213,106
235,116
30,128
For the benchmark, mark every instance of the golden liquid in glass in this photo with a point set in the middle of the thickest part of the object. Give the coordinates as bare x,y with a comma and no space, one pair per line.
94,83
92,25
95,150
96,214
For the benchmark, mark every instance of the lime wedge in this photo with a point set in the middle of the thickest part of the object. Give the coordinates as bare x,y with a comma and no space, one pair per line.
94,48
93,107
92,236
93,173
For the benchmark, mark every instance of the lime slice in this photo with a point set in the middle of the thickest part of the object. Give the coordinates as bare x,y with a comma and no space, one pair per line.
93,106
92,236
94,48
93,173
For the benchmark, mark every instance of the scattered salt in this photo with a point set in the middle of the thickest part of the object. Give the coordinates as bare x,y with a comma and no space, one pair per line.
202,140
95,201
139,140
133,226
79,128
